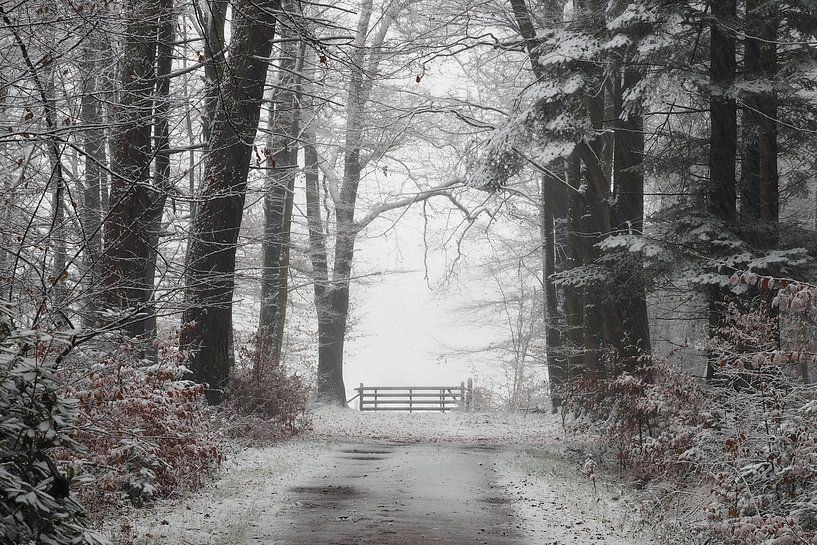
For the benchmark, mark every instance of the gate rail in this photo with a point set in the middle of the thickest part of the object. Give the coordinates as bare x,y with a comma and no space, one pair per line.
414,398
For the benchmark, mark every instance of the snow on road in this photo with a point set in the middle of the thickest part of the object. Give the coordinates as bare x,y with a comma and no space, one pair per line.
509,473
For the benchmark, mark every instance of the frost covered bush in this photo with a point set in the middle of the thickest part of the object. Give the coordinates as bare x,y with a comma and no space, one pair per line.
261,389
764,483
36,505
147,431
648,419
750,435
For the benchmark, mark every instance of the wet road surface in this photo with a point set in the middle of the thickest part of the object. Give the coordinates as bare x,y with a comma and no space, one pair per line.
395,494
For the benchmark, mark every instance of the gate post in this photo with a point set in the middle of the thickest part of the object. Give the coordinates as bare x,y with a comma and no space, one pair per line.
469,397
462,396
360,397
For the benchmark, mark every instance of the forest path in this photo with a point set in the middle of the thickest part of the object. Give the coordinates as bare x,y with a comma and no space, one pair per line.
396,494
398,479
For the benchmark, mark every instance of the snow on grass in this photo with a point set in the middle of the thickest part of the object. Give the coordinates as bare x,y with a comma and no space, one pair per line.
556,504
226,511
485,428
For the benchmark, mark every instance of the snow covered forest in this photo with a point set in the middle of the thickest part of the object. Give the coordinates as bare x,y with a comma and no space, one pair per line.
628,188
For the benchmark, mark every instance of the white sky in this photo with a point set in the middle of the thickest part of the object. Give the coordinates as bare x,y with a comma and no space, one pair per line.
405,330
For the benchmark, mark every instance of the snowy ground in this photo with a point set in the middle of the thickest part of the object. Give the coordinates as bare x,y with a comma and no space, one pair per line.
550,500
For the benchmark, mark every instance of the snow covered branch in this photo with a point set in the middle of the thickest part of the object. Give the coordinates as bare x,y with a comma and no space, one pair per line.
421,196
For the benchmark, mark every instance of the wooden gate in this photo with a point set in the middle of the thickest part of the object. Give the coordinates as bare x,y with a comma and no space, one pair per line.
414,398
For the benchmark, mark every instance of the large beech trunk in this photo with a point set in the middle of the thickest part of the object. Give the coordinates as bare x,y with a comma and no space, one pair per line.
207,322
331,301
332,294
215,19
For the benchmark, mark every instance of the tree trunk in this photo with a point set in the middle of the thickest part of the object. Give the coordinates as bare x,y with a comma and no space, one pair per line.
759,201
634,331
57,235
213,34
759,176
553,201
93,147
282,163
161,175
333,306
722,140
574,299
127,249
210,277
723,113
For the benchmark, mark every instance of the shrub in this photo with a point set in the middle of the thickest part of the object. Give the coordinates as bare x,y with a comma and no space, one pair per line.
147,431
263,389
35,419
750,434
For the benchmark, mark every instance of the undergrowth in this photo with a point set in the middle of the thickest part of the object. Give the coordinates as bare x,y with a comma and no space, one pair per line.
744,443
147,432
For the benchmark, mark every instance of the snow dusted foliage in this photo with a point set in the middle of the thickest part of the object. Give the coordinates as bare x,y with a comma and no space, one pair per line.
551,116
270,400
746,441
36,418
706,252
146,430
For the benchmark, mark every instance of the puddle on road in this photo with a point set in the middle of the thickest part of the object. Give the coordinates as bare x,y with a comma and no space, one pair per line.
496,500
335,491
364,451
362,458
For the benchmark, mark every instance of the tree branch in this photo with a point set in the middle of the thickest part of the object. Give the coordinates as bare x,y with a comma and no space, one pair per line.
408,201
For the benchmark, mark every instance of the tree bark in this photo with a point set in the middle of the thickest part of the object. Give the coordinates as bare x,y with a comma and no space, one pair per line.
723,113
330,309
574,300
600,314
207,319
759,175
553,202
93,147
722,141
124,263
57,235
214,44
282,163
759,201
161,175
333,304
634,332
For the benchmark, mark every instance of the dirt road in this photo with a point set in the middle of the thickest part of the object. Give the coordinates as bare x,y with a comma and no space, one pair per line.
396,494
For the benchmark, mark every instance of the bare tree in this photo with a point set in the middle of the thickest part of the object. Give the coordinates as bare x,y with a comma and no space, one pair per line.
207,321
282,167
